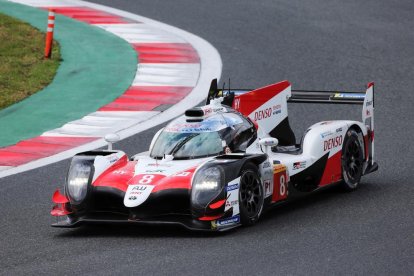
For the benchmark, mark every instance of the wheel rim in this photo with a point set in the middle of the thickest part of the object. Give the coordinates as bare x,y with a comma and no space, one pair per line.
353,162
250,193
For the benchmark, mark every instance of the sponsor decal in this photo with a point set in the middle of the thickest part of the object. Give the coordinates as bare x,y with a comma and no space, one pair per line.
268,188
200,129
350,95
137,194
325,123
182,174
211,110
189,127
231,203
339,129
137,190
232,187
299,165
368,113
219,110
112,158
207,111
155,171
369,103
325,134
332,143
277,109
266,164
159,165
121,172
228,221
263,114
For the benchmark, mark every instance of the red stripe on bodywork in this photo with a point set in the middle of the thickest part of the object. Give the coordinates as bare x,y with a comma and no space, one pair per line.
117,176
249,102
38,147
210,218
217,204
166,53
176,181
89,15
143,98
333,170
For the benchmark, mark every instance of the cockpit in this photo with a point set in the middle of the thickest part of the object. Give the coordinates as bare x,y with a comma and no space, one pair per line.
217,134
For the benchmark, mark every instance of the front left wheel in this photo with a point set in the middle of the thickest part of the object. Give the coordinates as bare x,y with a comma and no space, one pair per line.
250,195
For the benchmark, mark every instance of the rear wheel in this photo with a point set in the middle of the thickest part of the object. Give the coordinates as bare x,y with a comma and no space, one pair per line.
250,195
352,161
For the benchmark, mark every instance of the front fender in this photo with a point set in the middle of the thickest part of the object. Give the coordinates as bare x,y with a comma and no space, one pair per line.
214,204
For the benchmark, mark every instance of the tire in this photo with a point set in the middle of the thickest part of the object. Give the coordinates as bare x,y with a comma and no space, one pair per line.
250,195
352,161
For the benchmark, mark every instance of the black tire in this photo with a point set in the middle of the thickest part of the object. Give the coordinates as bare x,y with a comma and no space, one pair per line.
352,161
250,195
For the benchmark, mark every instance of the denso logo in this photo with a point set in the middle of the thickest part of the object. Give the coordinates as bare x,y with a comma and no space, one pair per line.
262,114
332,143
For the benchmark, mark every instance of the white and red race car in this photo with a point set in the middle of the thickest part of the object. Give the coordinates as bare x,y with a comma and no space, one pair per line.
221,165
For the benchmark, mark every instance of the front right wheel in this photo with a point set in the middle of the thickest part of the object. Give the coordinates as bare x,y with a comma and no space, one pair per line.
250,195
352,161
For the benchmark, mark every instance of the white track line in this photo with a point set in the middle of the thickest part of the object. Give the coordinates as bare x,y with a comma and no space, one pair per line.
171,74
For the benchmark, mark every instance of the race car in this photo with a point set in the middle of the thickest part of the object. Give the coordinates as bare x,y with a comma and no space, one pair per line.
223,164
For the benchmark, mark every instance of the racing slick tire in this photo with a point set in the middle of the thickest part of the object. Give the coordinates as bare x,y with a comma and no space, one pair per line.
352,161
250,195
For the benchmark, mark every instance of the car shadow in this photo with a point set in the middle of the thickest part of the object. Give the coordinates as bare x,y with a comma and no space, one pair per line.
173,231
147,231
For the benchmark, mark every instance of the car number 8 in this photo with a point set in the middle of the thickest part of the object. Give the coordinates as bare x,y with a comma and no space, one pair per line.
282,182
146,179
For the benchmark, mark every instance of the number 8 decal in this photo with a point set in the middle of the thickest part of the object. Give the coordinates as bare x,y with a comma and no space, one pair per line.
282,182
146,179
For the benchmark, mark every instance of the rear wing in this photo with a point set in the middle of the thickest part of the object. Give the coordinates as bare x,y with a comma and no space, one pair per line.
302,96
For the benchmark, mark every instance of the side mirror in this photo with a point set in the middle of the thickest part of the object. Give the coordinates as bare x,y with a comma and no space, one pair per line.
111,138
268,143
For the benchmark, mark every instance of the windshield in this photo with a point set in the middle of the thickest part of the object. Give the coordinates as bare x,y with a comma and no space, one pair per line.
187,145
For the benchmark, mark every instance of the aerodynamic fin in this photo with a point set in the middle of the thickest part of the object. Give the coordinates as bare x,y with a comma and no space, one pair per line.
368,115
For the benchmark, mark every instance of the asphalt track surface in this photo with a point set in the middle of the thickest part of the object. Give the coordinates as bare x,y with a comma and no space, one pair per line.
315,45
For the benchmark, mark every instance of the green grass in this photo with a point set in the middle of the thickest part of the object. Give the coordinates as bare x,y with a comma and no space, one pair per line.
23,69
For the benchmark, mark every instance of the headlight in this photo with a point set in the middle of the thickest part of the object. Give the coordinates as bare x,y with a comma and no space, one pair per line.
207,184
78,180
208,179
